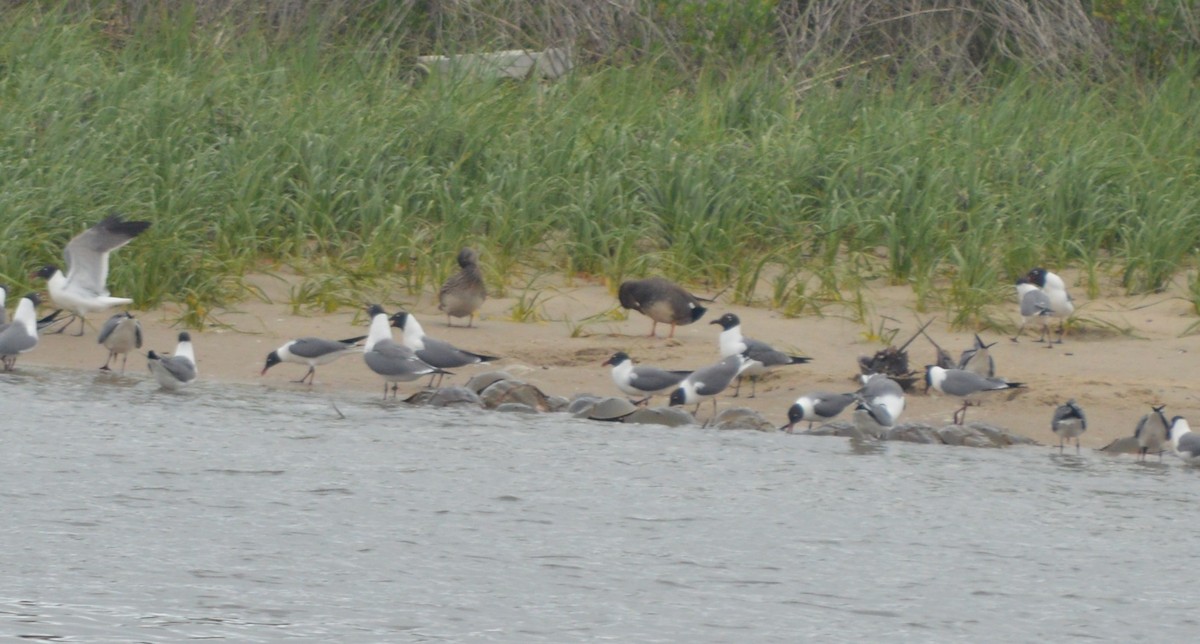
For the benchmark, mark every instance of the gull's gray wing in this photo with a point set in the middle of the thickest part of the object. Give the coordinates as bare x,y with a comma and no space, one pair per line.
1189,444
14,339
310,347
396,361
963,383
87,253
768,355
713,379
444,355
1069,411
828,405
1034,303
110,325
179,367
651,379
880,385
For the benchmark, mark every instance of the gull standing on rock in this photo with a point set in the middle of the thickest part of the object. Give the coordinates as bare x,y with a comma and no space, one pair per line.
83,289
1061,305
817,406
394,362
642,381
464,292
1035,305
760,356
178,370
312,352
436,353
1151,432
661,300
964,385
881,401
705,383
20,335
1187,444
120,334
1068,422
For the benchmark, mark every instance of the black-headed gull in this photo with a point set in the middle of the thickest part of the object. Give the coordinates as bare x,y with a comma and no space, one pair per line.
640,380
436,353
964,385
312,352
20,335
177,370
83,290
705,383
760,356
817,406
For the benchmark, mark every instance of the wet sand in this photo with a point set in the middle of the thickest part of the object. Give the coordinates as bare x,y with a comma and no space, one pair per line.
1126,355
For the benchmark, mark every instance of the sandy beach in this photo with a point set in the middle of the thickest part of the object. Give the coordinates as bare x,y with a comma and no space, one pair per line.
1127,354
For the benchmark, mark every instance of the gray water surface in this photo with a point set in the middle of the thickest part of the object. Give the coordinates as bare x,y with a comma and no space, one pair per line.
252,514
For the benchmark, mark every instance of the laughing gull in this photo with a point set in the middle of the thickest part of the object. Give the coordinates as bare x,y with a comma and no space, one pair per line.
1061,305
121,333
978,359
463,294
20,335
642,381
436,353
964,385
1151,432
1035,305
82,290
878,389
760,356
872,419
817,406
1187,444
707,382
178,370
312,352
394,362
1068,422
661,300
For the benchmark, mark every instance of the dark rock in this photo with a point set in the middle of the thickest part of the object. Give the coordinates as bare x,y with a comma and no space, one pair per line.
447,397
514,391
742,418
520,408
669,416
1127,445
557,403
913,433
481,381
582,403
608,409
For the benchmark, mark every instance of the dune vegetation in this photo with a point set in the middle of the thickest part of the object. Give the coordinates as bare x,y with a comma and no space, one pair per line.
736,145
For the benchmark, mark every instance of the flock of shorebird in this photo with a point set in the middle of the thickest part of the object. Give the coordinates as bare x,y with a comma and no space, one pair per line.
878,404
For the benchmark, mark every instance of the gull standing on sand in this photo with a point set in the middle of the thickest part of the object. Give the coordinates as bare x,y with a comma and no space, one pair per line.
1151,432
817,406
705,383
312,352
178,370
760,356
83,289
464,292
1061,305
662,301
642,381
1035,305
1187,444
120,334
20,335
1068,422
436,353
964,385
394,362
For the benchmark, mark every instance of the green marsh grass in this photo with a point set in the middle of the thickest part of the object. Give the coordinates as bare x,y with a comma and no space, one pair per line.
243,150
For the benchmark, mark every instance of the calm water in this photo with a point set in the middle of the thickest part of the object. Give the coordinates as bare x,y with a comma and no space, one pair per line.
253,514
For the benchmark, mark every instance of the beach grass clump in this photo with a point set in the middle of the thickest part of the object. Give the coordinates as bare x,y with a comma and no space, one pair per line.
789,186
